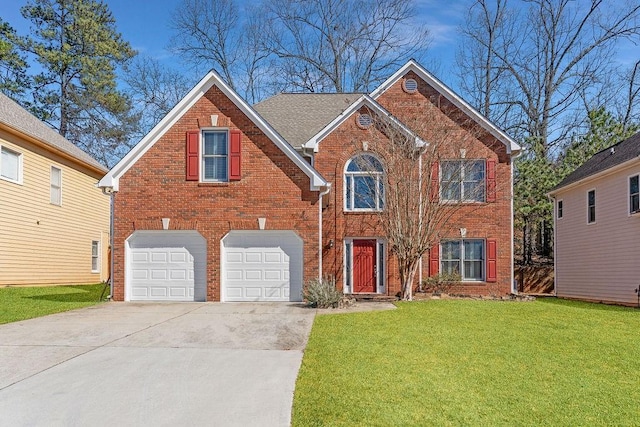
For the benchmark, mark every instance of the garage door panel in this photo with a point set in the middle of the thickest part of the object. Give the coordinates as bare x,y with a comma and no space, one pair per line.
167,266
257,266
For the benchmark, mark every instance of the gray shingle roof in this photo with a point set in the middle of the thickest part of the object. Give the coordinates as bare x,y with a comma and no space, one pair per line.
299,116
16,117
617,154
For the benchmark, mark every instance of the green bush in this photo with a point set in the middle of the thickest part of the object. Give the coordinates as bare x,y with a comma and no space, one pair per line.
322,293
440,283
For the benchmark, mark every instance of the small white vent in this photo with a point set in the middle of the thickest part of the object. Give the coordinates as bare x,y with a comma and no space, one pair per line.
410,85
364,121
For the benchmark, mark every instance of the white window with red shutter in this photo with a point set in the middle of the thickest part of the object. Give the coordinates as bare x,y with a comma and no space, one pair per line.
464,180
474,260
213,155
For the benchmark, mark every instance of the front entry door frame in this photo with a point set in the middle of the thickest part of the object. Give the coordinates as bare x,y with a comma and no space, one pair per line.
364,265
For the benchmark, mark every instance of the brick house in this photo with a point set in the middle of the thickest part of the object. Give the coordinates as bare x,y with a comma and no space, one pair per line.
223,201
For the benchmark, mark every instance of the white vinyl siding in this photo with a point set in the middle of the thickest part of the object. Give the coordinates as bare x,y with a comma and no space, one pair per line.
599,261
55,180
10,165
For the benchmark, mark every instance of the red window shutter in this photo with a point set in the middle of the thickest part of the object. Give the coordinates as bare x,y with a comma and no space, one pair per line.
434,260
235,150
193,157
492,254
435,181
491,180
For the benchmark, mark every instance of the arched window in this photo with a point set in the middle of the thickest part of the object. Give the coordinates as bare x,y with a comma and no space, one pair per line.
363,183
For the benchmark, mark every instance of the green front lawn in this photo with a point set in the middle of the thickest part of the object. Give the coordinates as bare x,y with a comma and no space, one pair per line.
463,362
19,303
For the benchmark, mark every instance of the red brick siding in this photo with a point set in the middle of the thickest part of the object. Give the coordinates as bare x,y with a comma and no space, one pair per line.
430,115
272,186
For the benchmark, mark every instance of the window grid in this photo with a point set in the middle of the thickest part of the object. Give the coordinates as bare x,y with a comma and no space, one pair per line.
95,256
56,186
560,209
465,257
634,194
462,180
364,186
215,158
10,165
591,206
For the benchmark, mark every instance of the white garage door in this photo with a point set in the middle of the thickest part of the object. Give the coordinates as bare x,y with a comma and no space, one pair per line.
262,266
166,266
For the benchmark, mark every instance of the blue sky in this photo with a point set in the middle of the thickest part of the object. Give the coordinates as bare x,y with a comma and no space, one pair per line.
145,25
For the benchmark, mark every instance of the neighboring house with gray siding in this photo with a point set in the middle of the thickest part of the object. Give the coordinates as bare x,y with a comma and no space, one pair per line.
597,227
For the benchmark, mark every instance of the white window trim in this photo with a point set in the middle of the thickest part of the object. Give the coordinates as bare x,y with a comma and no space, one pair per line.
630,212
51,186
558,210
201,154
595,206
484,259
378,176
462,199
97,257
381,268
20,160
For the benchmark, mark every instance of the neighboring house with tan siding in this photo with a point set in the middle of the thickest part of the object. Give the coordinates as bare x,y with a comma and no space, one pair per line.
597,227
54,220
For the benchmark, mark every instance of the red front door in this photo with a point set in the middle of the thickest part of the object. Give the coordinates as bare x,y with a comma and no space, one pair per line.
364,266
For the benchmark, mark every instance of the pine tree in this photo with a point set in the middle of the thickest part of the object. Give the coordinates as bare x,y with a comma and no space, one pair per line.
79,50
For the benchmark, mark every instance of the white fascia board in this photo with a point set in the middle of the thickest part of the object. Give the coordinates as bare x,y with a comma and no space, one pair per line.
112,177
513,148
211,79
355,106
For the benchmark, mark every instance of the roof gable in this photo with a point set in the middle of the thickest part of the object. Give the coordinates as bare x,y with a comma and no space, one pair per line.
299,116
602,161
198,91
512,147
16,118
364,100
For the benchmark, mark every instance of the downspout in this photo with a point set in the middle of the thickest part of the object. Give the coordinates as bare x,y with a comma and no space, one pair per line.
109,191
555,267
514,289
323,193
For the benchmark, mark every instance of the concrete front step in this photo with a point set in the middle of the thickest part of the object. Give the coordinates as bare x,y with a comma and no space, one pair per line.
373,297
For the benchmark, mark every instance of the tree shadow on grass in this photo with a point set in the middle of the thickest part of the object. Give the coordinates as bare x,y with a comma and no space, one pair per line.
75,296
584,305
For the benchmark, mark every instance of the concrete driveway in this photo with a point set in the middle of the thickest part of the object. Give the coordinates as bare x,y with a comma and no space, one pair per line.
131,364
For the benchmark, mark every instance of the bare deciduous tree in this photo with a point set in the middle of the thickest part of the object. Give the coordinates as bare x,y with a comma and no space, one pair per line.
154,90
341,45
421,200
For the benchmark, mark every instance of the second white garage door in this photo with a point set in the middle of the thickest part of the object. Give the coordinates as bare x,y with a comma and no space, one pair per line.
262,266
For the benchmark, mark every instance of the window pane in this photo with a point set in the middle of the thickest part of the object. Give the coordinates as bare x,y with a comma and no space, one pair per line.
349,192
347,256
634,184
364,197
451,171
215,143
473,270
473,249
451,267
450,191
474,191
9,168
215,168
451,250
474,171
635,203
364,163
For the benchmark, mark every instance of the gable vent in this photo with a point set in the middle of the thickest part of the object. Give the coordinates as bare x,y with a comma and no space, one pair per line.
410,85
364,121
